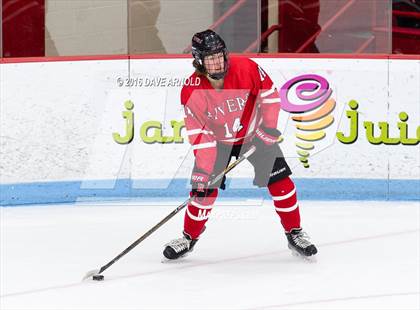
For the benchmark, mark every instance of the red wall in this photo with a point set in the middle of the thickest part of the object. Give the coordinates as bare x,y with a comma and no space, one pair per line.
23,28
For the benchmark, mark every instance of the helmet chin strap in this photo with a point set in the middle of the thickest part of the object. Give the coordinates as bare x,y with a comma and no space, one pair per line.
217,76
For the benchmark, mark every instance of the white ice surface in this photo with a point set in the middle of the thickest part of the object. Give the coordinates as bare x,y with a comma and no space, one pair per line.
368,258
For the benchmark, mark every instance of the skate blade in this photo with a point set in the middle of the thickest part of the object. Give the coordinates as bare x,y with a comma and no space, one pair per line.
165,260
308,259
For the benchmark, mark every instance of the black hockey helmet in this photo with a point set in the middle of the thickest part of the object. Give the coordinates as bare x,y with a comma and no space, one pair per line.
207,43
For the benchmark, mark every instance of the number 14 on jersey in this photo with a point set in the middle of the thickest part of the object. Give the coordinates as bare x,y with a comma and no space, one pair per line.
236,127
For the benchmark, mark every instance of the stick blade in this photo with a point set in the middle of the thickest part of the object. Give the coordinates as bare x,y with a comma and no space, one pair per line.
90,274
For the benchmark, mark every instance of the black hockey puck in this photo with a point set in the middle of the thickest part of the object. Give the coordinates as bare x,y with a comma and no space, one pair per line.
98,277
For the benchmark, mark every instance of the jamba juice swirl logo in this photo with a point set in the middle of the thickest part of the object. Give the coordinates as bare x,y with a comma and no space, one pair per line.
308,98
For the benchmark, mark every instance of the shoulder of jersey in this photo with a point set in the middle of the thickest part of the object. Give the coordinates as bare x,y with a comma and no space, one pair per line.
187,89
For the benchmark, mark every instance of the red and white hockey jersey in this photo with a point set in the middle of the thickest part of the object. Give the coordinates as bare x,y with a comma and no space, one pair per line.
231,115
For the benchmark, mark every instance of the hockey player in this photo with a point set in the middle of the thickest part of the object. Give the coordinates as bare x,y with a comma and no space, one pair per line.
234,106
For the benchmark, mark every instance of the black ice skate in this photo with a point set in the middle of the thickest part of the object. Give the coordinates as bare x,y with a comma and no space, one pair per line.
299,243
179,247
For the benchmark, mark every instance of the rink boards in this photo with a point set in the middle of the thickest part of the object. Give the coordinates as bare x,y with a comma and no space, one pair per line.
102,128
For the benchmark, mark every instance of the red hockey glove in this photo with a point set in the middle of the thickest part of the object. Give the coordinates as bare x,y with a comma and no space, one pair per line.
269,136
200,183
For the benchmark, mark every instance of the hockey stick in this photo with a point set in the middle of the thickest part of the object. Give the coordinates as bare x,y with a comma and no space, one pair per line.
96,273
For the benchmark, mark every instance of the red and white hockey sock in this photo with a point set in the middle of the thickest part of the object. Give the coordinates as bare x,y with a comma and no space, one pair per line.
284,196
197,214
